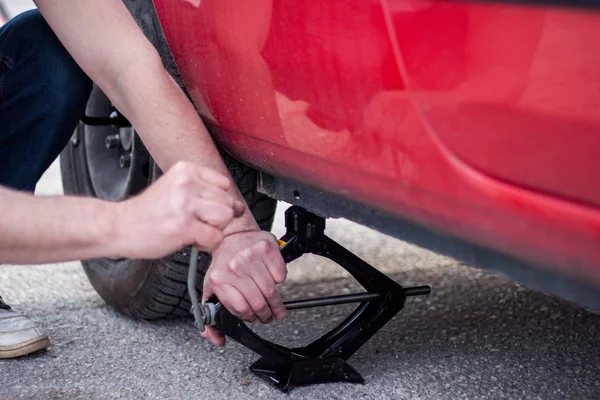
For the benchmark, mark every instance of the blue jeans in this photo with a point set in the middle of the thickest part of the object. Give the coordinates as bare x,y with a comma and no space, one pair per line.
43,94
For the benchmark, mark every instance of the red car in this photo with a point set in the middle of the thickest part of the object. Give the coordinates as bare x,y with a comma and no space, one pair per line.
468,128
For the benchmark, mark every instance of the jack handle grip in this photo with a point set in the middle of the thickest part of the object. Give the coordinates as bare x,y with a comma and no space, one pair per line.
417,291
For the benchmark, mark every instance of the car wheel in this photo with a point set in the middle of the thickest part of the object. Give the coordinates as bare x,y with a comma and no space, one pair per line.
111,163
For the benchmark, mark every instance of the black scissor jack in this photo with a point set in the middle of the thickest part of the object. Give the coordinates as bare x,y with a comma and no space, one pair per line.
323,360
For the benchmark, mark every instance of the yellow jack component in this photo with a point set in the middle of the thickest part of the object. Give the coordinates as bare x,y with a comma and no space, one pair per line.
281,243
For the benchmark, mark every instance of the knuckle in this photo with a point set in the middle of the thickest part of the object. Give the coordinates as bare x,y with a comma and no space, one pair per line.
280,275
282,278
282,268
214,278
242,309
229,215
246,254
272,293
224,214
234,266
178,166
187,166
241,258
179,200
182,170
263,245
183,203
259,306
183,180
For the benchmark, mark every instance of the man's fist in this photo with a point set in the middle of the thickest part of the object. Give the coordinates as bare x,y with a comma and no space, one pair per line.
188,205
244,273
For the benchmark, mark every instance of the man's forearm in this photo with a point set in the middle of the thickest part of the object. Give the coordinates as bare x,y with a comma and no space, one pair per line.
52,229
106,42
177,132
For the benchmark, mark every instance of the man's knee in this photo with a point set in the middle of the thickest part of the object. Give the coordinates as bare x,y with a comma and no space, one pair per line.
44,94
35,47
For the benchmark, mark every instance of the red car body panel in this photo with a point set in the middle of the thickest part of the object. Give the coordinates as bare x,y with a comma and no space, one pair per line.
478,120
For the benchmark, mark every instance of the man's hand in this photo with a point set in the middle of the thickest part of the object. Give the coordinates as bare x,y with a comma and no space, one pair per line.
245,270
189,205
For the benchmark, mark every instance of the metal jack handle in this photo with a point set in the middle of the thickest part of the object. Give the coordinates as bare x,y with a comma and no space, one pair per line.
323,360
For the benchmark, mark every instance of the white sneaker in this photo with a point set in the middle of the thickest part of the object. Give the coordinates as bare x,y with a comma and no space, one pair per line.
19,335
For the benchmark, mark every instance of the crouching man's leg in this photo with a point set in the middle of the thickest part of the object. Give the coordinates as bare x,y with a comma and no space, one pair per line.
43,94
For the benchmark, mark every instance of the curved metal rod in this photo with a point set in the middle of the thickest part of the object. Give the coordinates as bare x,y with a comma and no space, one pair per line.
191,286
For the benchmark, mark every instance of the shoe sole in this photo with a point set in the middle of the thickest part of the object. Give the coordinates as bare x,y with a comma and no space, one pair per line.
23,349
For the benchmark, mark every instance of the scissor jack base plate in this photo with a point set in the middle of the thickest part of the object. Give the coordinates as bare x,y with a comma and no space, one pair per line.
306,372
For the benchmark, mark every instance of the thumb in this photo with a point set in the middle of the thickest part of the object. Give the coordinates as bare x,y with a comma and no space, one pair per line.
206,292
214,336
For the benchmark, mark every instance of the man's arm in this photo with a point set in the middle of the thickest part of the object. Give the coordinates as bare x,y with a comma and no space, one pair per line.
188,205
106,42
52,229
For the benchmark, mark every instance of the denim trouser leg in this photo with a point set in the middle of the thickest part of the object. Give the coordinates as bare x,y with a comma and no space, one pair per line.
43,94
